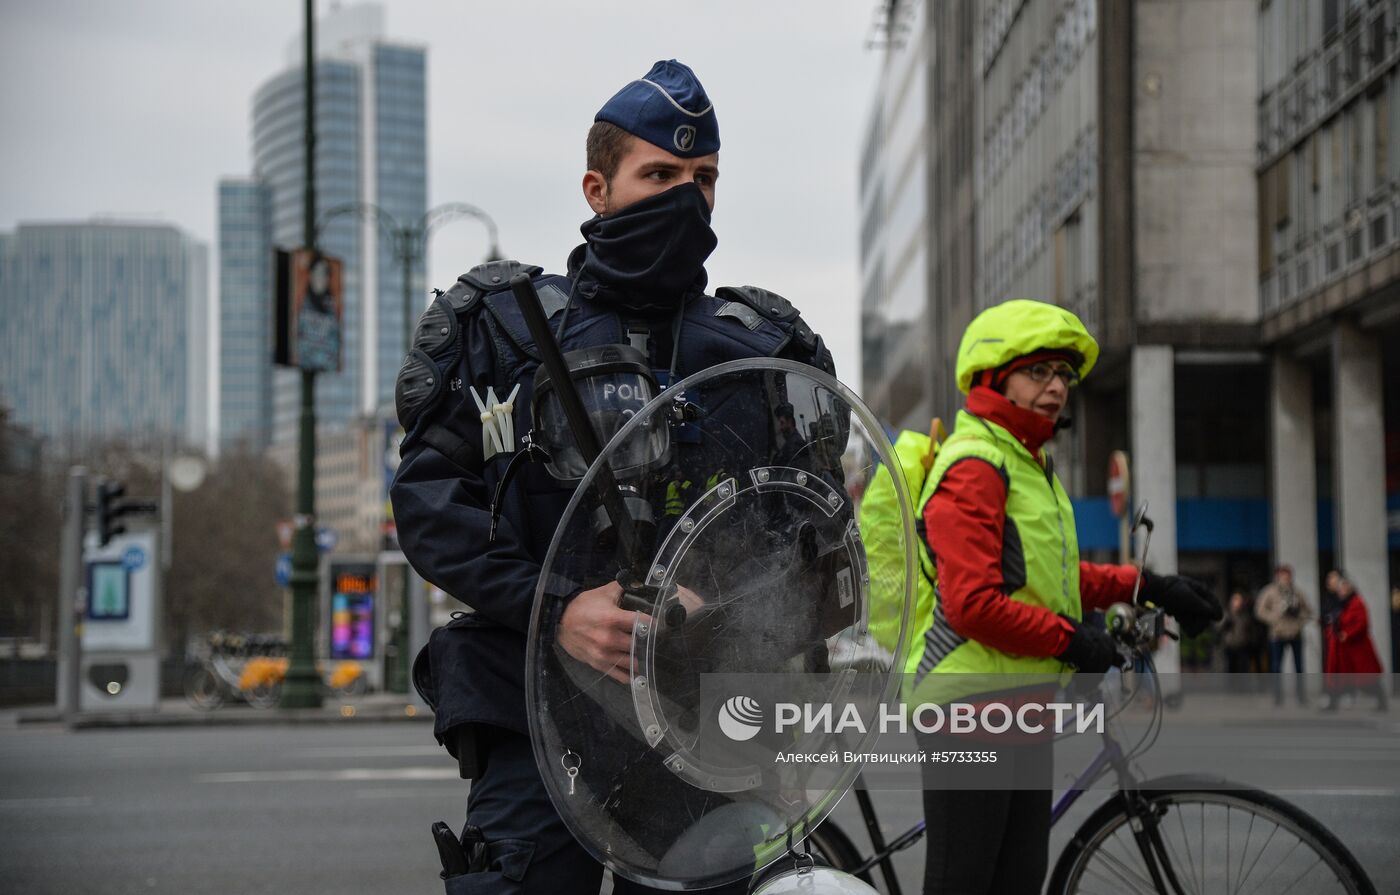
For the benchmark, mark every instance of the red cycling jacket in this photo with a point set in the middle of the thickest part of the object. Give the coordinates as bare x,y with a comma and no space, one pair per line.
964,520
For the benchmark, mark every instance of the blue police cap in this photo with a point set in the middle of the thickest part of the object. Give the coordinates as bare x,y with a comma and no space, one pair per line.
668,108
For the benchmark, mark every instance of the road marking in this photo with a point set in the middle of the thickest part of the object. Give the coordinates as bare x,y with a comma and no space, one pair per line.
366,751
358,774
397,792
1339,791
54,802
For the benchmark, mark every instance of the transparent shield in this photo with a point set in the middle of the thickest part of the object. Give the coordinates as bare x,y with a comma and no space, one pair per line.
736,714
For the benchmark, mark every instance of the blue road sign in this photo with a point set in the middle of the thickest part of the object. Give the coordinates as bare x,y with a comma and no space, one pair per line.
326,539
134,558
284,570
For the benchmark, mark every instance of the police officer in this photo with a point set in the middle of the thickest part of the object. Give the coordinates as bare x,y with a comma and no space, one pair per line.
639,280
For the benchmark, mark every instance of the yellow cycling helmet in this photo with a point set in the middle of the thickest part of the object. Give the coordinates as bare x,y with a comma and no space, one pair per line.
1019,327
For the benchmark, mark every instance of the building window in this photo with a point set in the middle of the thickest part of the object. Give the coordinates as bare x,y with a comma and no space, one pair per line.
1068,259
1331,18
1355,163
1381,137
1378,39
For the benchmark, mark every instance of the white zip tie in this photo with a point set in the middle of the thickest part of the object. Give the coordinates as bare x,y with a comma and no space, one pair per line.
490,444
507,411
493,404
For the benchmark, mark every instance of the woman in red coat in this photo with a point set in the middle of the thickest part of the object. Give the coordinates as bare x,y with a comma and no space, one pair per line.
1352,663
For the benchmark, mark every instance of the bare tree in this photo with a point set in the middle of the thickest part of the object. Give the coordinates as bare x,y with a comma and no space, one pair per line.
225,541
221,574
30,516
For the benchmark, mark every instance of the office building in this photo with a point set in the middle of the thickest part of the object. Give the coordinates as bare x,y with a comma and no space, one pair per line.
1208,186
371,149
245,314
1328,112
104,332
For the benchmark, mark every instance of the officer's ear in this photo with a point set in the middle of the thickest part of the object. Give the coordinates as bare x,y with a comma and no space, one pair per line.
595,191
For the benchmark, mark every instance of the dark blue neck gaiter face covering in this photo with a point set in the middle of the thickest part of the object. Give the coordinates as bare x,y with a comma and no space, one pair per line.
650,255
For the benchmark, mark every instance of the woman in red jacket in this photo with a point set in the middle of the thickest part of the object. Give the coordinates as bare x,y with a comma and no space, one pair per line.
1352,663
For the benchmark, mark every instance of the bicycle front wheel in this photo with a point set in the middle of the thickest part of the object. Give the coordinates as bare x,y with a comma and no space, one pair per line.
203,689
1208,839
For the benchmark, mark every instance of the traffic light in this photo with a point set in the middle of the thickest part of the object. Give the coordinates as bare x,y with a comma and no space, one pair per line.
110,509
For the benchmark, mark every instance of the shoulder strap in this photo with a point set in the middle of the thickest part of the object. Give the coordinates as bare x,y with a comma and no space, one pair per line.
750,305
769,305
506,311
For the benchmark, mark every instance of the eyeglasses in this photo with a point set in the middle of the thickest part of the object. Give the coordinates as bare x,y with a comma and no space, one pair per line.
1041,373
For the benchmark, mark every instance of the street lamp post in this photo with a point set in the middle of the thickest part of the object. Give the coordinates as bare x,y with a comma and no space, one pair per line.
303,683
410,244
410,241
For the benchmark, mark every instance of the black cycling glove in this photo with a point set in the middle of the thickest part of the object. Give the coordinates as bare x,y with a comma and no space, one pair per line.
1090,649
1185,599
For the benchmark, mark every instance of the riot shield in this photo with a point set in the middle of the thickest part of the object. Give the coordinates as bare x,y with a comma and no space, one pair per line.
753,677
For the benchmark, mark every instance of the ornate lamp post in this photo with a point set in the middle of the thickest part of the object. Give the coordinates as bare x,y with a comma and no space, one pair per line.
410,244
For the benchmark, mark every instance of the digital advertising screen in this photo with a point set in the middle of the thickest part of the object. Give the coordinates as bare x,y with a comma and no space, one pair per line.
353,592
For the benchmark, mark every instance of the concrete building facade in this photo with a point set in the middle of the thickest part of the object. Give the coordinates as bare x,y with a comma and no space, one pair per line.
1329,287
1149,166
104,333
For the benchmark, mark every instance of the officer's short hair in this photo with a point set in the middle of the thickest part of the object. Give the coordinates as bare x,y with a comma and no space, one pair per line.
607,144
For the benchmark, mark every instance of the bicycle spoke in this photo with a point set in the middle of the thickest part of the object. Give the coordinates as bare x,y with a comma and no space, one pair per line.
1203,847
1164,836
1190,858
1125,872
1300,877
1249,837
1227,849
1250,871
1275,865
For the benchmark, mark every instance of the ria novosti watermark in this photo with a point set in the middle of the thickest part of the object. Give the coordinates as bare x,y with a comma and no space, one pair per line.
742,718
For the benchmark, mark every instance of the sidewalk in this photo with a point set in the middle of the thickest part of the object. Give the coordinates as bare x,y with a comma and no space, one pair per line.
377,708
1217,709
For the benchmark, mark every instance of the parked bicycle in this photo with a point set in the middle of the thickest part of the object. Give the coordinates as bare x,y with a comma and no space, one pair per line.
219,677
1175,835
345,679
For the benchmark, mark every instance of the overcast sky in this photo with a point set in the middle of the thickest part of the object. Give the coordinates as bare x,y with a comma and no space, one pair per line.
138,107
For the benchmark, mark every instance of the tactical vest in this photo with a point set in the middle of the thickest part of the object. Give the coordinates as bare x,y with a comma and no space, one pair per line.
762,323
1040,560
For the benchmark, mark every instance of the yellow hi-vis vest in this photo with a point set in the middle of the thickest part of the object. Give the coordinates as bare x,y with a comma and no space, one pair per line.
1040,563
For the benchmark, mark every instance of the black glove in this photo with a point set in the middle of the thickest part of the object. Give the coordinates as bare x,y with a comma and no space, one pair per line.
1090,649
1185,599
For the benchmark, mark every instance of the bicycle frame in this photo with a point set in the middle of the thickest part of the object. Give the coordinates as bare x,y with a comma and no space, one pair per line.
1110,757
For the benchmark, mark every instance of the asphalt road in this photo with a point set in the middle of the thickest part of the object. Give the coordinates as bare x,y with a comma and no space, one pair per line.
317,809
346,808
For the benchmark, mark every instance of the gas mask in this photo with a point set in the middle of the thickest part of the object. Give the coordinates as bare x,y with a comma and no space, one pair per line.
613,382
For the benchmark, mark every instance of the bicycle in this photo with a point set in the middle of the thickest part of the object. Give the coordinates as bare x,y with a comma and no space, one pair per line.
1166,836
223,665
265,675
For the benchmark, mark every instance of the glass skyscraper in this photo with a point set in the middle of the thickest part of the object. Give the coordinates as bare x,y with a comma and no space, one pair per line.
371,147
245,284
103,332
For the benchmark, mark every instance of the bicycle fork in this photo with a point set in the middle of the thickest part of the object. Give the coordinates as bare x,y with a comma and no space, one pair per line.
1145,823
